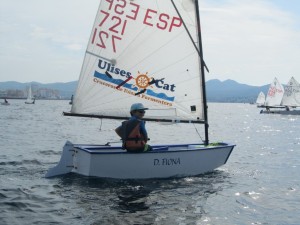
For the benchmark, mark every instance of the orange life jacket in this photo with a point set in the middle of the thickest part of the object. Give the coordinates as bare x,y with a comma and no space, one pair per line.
133,140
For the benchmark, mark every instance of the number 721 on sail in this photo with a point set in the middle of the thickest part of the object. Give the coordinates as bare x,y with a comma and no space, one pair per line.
118,27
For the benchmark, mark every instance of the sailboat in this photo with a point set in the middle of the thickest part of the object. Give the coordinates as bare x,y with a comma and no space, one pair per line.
30,99
274,97
260,101
291,98
5,102
71,101
147,52
283,100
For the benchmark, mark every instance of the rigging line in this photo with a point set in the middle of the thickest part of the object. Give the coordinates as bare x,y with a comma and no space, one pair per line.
185,27
100,125
189,34
198,132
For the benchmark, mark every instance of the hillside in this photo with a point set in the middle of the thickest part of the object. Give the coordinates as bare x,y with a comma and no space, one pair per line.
232,91
217,91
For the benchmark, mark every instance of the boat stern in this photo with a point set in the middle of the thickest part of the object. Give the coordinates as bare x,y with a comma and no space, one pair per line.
65,164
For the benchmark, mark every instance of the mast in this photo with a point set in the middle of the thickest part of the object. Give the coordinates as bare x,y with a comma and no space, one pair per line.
206,141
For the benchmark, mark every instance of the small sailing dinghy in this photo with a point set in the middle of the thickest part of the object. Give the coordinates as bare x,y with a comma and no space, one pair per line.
30,99
5,102
274,97
148,52
71,101
291,99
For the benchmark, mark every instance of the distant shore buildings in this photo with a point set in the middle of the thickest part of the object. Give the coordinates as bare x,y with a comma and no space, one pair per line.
38,93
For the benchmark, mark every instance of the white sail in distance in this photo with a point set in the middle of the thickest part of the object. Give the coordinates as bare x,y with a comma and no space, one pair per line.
291,95
29,95
261,98
275,93
140,52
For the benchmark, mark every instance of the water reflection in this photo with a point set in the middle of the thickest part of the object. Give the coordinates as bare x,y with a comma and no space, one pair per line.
134,201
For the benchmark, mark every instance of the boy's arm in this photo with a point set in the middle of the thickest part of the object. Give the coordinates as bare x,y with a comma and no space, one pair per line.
118,131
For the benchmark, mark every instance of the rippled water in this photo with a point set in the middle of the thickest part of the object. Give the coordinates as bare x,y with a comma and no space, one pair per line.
258,185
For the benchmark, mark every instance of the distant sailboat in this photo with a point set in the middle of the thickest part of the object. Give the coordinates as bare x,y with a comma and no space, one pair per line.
282,100
275,94
71,101
261,99
291,97
30,99
5,102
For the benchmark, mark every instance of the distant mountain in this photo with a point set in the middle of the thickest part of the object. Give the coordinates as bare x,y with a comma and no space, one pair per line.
232,91
217,91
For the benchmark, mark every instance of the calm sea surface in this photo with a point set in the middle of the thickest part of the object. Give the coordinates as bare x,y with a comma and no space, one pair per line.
260,184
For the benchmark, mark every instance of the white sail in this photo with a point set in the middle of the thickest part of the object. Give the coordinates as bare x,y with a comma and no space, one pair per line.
30,99
275,94
260,101
142,47
291,95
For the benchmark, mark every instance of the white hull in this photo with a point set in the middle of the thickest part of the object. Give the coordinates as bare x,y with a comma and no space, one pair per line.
163,162
282,112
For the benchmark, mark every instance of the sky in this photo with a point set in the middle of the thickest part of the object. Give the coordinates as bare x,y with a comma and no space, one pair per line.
249,41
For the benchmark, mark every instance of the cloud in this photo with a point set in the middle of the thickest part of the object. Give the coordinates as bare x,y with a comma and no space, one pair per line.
44,40
61,38
248,41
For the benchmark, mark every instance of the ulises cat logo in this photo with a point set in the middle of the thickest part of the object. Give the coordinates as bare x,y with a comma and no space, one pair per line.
141,83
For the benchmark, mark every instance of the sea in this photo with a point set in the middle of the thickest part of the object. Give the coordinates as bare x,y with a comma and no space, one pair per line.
260,184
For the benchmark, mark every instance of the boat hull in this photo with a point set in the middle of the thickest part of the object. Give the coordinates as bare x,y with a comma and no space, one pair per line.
282,112
164,161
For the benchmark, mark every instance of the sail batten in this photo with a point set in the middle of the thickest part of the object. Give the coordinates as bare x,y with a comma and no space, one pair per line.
100,57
